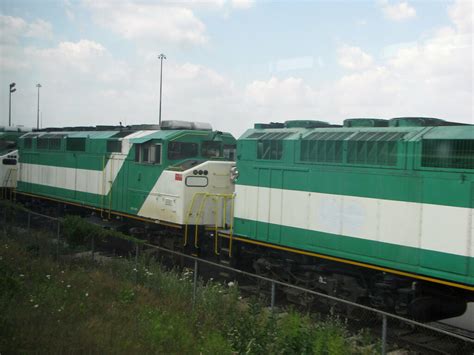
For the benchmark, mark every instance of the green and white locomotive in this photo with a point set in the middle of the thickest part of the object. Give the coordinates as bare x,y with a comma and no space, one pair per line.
385,208
140,172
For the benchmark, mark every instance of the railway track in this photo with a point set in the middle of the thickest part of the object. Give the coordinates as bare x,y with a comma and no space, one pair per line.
429,342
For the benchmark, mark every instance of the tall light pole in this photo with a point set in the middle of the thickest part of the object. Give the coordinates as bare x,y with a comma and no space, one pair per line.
12,90
161,57
38,111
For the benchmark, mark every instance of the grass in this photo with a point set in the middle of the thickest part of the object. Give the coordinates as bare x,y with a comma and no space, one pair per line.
76,306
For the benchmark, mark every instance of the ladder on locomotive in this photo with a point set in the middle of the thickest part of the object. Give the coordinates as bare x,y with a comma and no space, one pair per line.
225,201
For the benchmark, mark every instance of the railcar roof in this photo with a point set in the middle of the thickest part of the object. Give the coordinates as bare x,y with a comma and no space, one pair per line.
454,132
412,133
134,136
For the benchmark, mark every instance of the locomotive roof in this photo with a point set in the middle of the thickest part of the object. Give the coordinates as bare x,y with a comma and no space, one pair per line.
139,136
356,132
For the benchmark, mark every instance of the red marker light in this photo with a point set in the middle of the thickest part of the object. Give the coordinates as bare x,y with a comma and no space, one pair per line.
178,177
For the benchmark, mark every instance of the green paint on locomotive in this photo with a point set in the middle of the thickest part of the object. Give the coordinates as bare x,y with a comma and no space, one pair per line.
418,261
345,191
119,168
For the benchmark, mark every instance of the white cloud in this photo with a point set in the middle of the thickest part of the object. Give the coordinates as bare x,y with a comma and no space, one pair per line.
290,91
40,29
68,9
278,100
353,58
242,4
462,15
12,28
207,4
82,56
398,12
149,21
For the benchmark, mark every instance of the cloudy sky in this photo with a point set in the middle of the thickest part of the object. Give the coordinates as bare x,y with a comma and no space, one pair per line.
235,62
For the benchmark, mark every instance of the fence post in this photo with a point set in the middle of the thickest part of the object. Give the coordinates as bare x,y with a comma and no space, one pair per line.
384,334
272,297
29,222
4,220
92,247
136,262
195,281
58,235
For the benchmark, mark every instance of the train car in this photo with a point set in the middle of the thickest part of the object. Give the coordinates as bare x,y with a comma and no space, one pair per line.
378,211
144,172
9,137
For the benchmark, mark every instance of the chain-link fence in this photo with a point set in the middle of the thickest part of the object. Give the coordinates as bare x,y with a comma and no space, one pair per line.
372,328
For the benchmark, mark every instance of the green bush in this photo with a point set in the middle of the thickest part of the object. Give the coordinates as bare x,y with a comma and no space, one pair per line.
330,338
80,232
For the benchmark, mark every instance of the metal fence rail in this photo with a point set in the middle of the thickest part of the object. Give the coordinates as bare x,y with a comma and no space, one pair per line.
55,228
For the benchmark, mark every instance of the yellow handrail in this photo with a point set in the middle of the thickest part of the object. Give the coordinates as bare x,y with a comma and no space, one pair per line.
224,214
196,219
215,226
190,209
199,215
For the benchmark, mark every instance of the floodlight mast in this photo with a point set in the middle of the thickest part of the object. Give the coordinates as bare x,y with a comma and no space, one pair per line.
12,90
38,110
161,57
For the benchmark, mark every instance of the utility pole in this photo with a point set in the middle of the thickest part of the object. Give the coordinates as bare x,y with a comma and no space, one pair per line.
161,57
12,90
38,111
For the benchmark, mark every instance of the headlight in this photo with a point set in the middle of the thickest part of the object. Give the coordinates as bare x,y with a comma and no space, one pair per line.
234,174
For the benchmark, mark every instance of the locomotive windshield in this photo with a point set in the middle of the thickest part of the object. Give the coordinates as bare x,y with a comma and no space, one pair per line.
211,149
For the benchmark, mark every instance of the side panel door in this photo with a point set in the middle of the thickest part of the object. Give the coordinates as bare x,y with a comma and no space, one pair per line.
399,222
275,206
296,209
263,204
445,229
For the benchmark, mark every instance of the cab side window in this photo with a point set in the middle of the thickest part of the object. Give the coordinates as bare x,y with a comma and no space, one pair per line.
182,150
211,149
148,153
229,151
